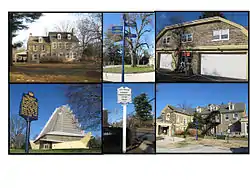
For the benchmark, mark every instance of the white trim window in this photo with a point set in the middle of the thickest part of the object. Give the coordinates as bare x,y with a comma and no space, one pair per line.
60,45
69,36
168,116
54,45
235,116
187,37
34,56
34,47
59,36
67,55
222,34
231,107
166,40
40,39
226,117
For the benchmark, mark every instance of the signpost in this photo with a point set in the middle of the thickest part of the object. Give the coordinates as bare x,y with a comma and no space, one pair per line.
29,111
124,96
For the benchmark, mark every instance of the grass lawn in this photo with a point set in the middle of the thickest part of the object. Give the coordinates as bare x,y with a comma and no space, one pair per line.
61,151
129,69
57,72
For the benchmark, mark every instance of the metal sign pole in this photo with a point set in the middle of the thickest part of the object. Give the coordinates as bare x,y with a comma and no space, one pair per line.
124,128
27,136
123,47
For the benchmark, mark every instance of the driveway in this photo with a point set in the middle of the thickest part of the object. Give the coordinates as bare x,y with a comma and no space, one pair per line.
134,77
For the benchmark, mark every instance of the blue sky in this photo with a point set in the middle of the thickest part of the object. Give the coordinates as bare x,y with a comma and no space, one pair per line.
200,94
115,19
110,98
162,18
50,96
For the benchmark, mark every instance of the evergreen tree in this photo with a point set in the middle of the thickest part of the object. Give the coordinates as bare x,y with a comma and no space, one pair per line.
143,108
19,21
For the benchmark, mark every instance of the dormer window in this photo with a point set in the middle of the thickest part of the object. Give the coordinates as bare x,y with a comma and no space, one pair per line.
59,36
230,106
69,36
40,39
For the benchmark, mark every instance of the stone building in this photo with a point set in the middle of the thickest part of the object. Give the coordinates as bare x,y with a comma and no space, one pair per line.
231,115
57,46
213,46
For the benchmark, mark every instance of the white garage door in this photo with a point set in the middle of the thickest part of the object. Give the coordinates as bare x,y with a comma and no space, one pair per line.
224,65
166,61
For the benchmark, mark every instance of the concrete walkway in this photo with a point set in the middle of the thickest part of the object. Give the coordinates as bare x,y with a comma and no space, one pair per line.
134,77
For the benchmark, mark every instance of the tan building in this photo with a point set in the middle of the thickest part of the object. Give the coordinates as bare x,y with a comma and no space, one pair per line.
212,46
63,46
173,119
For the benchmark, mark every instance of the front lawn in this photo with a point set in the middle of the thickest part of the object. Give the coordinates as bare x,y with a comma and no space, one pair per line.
61,151
56,72
129,69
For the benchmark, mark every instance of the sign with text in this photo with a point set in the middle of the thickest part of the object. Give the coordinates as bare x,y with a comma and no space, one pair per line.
124,95
29,107
117,29
130,35
130,24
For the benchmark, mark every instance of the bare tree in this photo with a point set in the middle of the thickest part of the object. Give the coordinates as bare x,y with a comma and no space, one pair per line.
140,30
85,101
184,105
17,128
64,26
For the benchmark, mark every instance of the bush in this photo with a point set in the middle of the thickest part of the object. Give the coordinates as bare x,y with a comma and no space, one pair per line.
179,132
94,143
192,132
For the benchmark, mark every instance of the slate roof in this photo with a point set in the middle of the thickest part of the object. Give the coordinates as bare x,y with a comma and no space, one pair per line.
223,108
52,37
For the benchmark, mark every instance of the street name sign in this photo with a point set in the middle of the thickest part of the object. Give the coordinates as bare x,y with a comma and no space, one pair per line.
130,35
117,29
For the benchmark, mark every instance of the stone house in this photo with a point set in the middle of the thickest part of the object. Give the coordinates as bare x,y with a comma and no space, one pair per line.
213,46
57,46
231,116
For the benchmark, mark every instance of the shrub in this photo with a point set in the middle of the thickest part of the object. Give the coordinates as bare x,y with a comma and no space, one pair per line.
94,143
179,132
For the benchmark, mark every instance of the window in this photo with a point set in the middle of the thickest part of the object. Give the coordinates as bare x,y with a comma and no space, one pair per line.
226,117
168,116
187,37
164,41
67,55
43,48
61,54
231,106
54,54
60,45
74,55
59,36
168,40
221,34
34,48
69,36
35,56
235,116
54,45
40,40
184,121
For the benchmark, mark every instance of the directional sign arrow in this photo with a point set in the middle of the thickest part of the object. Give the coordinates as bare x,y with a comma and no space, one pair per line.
130,24
131,35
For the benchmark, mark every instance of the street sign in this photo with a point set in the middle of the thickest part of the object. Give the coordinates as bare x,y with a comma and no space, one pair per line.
117,29
131,24
124,95
29,107
130,35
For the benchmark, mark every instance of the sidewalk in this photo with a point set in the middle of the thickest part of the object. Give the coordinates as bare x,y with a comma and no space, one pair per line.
134,77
